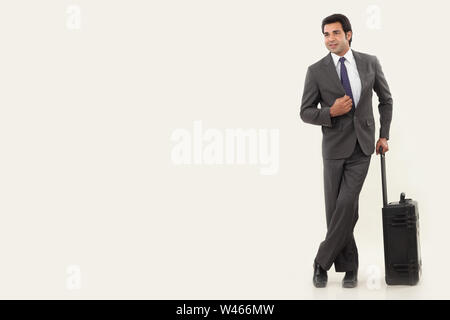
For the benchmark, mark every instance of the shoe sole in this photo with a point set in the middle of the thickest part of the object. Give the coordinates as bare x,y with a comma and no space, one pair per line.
320,285
349,284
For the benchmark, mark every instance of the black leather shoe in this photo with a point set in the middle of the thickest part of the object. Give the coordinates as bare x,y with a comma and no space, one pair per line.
320,276
350,280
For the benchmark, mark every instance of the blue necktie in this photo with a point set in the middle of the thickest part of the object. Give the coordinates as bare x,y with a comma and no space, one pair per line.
346,82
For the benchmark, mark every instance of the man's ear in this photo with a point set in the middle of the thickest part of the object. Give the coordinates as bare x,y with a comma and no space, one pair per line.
349,35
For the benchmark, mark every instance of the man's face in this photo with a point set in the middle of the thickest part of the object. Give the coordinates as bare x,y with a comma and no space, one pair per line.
336,40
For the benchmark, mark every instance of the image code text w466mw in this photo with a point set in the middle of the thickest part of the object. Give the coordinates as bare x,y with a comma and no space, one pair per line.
225,309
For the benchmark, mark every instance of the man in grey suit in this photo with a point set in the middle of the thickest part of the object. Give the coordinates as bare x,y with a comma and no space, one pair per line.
342,83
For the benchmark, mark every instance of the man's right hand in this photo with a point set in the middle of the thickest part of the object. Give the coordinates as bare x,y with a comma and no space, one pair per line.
341,106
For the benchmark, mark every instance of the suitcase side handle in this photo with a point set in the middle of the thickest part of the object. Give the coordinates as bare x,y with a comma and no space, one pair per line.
383,177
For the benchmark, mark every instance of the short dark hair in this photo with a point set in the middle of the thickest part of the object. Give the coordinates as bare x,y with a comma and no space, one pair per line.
337,17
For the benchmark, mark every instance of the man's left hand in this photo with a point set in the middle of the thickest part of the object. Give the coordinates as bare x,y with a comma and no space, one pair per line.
382,142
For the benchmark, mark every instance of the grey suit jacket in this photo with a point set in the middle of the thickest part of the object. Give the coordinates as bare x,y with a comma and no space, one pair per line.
322,85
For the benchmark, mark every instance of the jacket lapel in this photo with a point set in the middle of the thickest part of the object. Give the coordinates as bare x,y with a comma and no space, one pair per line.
361,64
330,70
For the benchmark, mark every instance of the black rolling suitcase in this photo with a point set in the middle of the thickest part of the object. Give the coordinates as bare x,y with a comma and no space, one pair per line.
402,259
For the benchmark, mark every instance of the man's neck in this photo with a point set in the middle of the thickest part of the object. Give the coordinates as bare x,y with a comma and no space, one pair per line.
343,54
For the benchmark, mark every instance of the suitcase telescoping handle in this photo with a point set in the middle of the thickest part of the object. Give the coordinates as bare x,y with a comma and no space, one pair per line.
383,181
383,177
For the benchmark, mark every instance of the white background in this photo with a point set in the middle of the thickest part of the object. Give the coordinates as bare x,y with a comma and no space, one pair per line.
86,176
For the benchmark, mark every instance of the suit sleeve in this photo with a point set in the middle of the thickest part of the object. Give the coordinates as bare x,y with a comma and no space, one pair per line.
385,100
309,112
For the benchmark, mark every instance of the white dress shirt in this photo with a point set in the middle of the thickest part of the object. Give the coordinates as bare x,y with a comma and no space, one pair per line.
353,75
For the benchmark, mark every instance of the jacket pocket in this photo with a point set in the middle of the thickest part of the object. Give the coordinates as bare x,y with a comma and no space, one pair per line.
370,122
336,127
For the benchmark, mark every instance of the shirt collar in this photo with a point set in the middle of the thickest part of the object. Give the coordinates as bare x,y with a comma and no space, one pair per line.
348,56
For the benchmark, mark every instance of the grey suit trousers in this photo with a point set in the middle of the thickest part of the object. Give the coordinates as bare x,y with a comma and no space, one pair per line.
343,181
